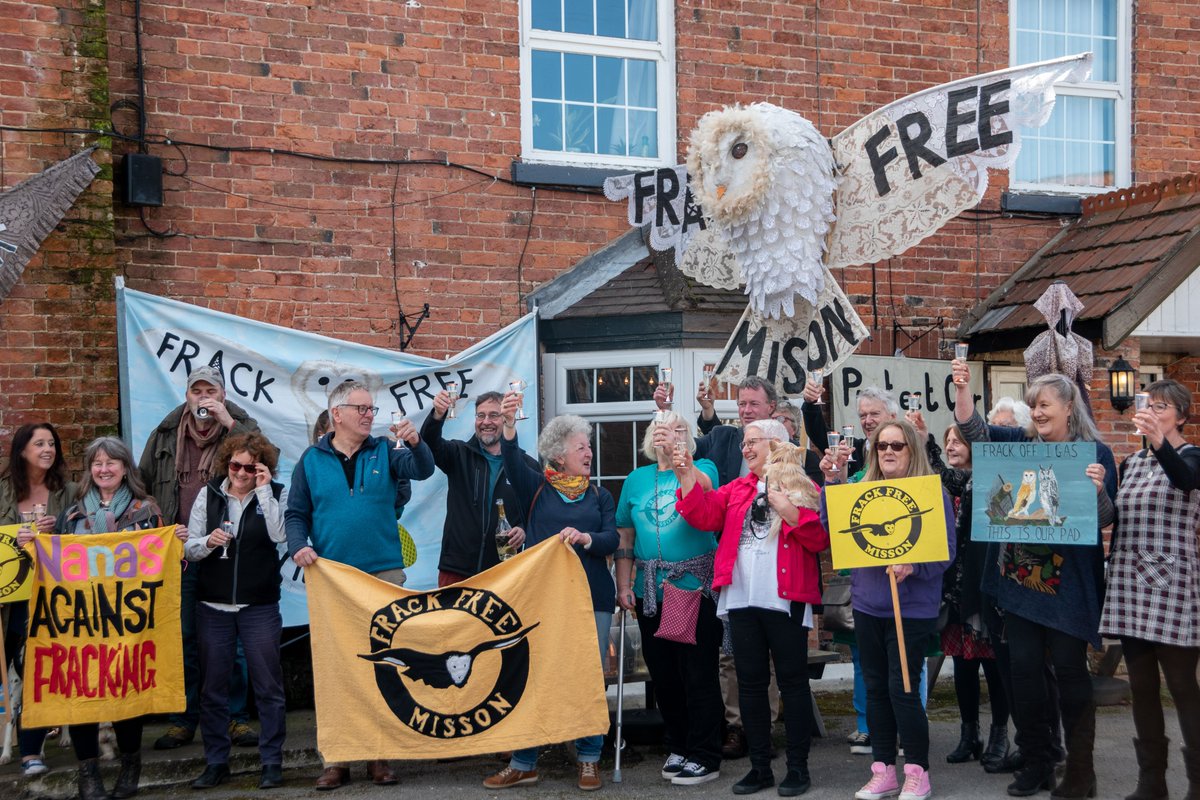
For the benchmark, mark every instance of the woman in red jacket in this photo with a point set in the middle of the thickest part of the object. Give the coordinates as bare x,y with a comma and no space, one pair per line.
768,582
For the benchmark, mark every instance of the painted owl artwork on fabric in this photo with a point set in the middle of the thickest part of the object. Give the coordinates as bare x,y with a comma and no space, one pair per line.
1048,484
1026,494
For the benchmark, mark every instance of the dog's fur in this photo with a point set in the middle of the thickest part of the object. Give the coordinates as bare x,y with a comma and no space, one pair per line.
785,473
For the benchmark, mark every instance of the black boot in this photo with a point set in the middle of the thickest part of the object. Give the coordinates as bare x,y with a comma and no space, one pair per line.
1032,778
1079,777
1191,763
969,744
996,750
1152,770
91,785
127,778
1012,762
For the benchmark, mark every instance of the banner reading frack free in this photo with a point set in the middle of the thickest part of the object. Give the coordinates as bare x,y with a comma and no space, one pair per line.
16,568
887,522
504,660
104,640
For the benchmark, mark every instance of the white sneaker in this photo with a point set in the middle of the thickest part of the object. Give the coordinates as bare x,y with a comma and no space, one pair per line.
33,767
860,743
672,766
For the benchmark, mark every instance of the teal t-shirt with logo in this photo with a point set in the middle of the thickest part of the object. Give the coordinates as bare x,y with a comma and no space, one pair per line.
647,505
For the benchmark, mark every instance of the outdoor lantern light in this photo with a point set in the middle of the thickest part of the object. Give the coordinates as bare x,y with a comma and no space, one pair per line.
1122,383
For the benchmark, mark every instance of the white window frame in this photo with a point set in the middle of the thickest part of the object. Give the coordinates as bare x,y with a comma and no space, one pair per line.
1119,91
1004,374
662,52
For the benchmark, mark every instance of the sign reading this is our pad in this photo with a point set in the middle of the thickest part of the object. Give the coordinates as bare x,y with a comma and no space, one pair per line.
872,524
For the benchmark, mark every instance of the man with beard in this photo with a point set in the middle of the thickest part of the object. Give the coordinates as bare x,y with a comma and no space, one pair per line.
475,483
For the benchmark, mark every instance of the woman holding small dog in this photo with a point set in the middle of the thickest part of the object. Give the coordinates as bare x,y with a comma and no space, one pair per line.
33,487
767,571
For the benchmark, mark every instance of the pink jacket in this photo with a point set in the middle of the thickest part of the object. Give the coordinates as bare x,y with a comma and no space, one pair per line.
724,510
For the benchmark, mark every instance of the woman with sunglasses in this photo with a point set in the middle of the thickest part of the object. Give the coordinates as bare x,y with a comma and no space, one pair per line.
1059,612
895,452
1152,600
768,574
239,513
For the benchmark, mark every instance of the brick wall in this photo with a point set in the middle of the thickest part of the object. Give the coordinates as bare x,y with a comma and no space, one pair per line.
308,244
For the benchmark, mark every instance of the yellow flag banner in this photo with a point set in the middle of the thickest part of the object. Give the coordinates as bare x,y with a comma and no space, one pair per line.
887,522
504,660
16,567
104,640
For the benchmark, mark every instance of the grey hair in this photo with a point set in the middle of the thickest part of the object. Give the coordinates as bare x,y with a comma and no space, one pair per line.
1175,393
344,390
671,419
768,388
770,428
1080,426
793,413
552,443
117,450
1020,411
880,396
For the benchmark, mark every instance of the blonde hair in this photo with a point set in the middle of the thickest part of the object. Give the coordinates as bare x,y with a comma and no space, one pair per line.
918,462
671,420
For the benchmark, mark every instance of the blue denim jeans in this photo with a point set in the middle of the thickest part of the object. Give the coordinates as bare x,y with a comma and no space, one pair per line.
586,747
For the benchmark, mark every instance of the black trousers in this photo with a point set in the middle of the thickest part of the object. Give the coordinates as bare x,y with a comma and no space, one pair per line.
891,710
1029,647
1143,660
85,739
760,638
686,687
1049,710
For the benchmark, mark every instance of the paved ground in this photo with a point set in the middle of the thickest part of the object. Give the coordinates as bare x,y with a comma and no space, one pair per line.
836,773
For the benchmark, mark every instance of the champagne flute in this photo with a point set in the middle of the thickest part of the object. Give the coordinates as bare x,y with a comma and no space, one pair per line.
27,519
664,377
227,529
817,377
914,401
452,390
834,438
1141,401
397,418
518,387
848,437
39,511
710,372
960,352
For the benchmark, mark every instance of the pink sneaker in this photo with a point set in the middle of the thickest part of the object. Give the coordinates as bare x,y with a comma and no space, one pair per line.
883,783
916,783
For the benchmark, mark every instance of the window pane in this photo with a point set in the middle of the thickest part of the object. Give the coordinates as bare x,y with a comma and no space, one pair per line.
579,386
643,134
643,20
1053,129
1080,44
577,77
547,75
610,131
645,381
1028,14
547,15
1078,169
643,84
616,448
1050,156
547,126
581,131
1105,66
612,385
1104,17
610,81
1079,16
610,18
579,17
1053,45
1054,15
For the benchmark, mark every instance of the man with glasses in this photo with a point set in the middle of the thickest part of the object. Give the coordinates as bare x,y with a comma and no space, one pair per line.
475,483
175,465
347,491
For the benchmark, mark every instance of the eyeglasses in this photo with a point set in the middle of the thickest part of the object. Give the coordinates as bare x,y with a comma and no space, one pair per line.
494,416
1159,408
749,443
362,410
234,466
895,446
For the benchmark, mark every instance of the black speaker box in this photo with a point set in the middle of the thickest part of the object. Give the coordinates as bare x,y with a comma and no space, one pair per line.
143,179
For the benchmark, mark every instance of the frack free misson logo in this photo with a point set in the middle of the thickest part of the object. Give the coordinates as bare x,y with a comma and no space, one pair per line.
15,565
900,529
465,688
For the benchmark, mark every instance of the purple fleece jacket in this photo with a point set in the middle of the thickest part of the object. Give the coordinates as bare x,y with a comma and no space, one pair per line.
920,593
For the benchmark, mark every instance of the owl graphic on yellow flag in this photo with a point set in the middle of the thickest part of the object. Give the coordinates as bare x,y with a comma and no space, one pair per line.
872,524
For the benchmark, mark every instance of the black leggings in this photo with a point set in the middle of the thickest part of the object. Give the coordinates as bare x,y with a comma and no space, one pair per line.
1143,659
966,687
1029,645
86,738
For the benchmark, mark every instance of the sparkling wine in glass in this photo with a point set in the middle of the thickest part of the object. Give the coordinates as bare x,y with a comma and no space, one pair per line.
848,436
397,418
227,528
1141,401
914,401
664,377
960,352
834,439
816,377
518,387
452,390
710,372
27,519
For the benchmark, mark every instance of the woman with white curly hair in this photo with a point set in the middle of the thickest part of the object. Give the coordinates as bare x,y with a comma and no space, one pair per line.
563,502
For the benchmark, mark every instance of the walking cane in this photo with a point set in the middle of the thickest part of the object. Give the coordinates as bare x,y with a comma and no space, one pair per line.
619,742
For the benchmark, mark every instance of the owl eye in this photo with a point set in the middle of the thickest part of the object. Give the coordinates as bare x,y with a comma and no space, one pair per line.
739,150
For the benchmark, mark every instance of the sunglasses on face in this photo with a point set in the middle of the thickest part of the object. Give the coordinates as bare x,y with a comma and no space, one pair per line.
234,466
895,446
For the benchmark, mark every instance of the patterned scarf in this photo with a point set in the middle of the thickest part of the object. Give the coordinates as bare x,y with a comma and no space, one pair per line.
187,466
571,487
103,519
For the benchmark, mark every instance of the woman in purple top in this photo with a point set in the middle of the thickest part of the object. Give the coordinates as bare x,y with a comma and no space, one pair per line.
895,452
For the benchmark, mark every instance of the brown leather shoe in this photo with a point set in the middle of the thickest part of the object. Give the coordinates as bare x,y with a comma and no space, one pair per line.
734,745
333,777
381,773
589,776
509,777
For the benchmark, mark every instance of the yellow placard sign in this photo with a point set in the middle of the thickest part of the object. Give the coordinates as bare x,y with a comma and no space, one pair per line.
16,567
104,639
887,522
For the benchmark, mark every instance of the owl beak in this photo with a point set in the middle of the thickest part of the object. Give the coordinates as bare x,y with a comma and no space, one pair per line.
720,191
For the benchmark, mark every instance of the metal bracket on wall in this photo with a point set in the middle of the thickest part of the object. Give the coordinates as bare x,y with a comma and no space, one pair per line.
897,329
407,332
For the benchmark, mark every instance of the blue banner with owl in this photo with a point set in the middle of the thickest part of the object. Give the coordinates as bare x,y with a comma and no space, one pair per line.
282,378
1033,493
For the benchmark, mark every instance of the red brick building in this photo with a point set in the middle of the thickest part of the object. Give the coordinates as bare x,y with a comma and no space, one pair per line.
334,166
